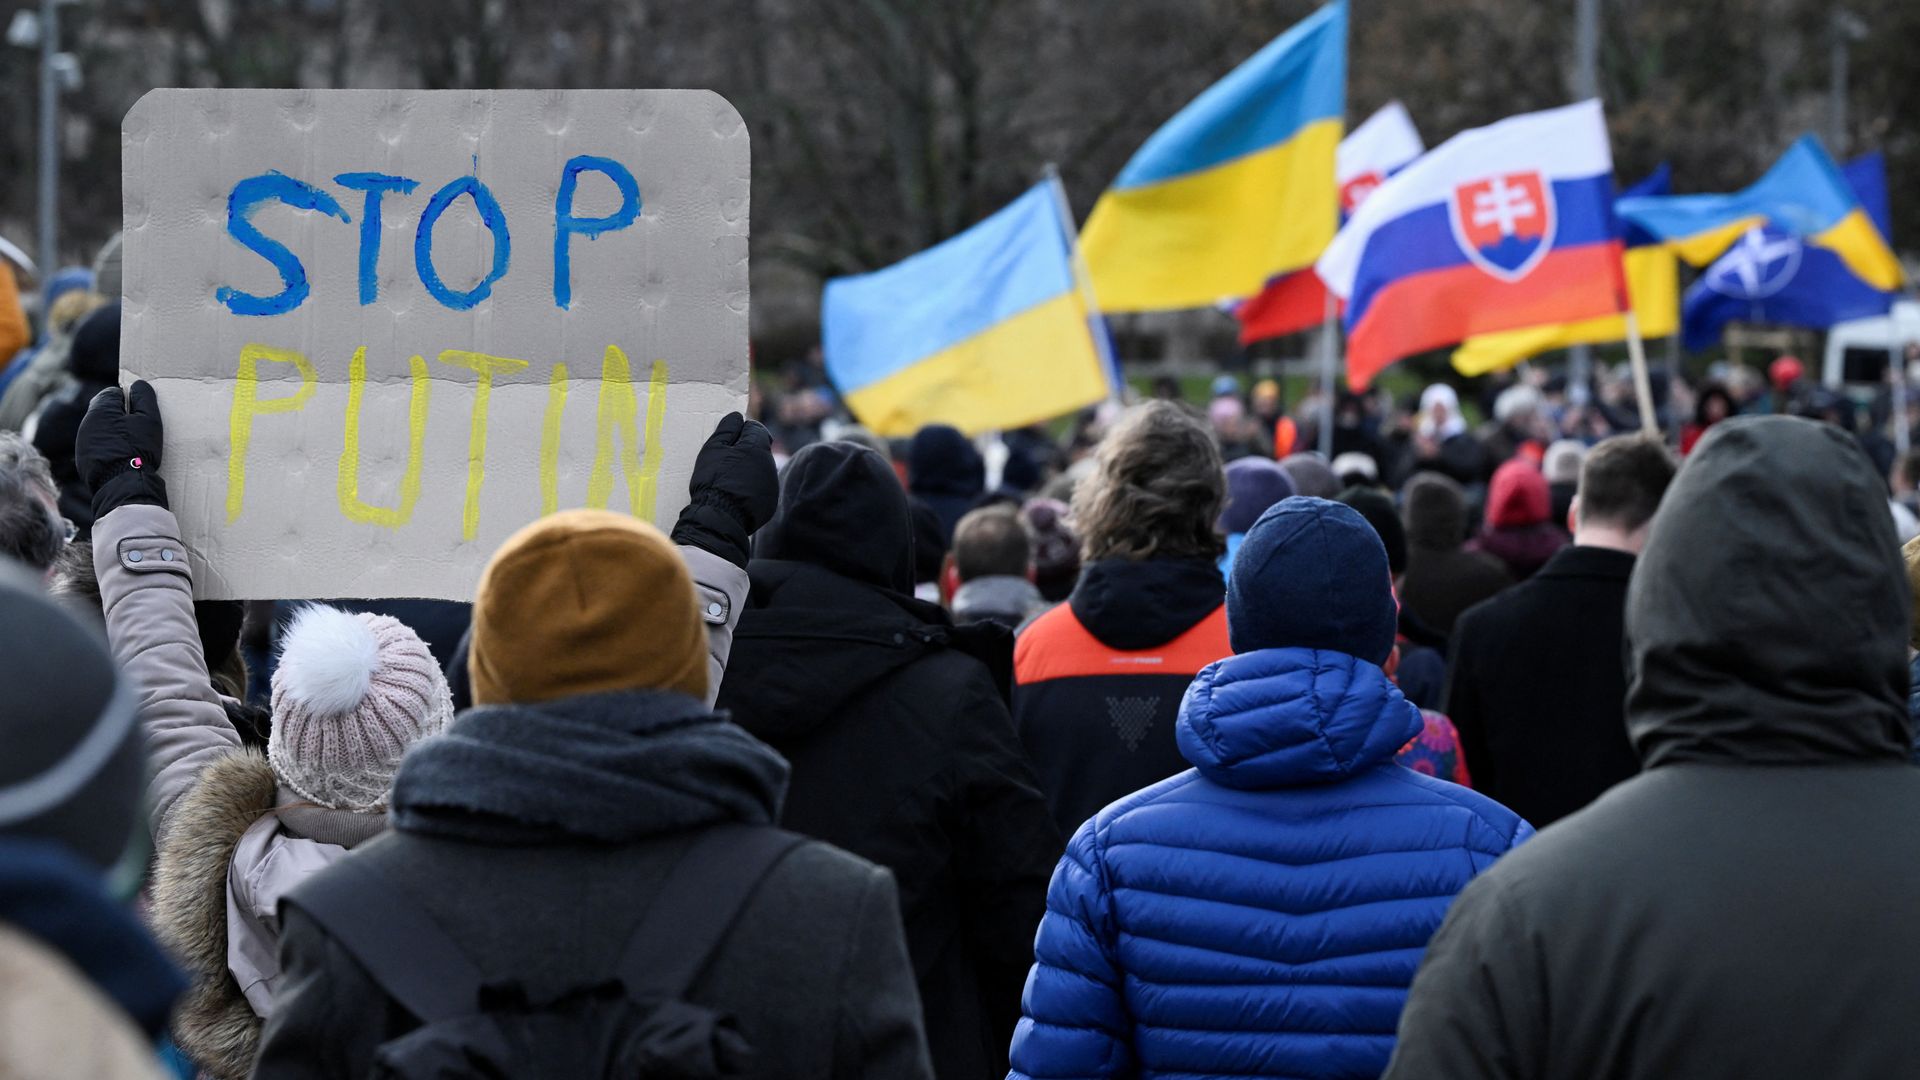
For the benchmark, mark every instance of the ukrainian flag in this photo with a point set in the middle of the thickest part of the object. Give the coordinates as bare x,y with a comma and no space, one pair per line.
1653,289
1804,193
1236,188
983,331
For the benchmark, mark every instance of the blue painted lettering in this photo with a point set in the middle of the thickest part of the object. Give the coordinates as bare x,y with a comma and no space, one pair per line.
565,224
245,197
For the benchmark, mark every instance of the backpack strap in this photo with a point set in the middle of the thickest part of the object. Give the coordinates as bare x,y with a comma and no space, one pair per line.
401,946
697,905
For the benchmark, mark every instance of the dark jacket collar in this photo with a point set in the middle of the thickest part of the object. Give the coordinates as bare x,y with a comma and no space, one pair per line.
608,768
1131,605
1587,561
811,640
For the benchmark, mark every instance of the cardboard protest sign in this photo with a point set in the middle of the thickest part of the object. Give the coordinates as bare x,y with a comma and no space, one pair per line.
389,328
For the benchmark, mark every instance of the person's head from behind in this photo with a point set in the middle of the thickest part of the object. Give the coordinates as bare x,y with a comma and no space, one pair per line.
1311,475
1312,574
942,461
1355,469
1767,619
863,436
1435,511
588,602
1714,404
1376,506
95,356
1621,483
1056,550
1518,408
69,308
991,542
842,509
351,694
32,531
1562,462
1156,489
1253,484
1518,496
73,770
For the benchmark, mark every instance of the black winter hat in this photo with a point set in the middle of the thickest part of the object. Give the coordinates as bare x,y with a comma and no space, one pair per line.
942,461
95,353
842,508
1377,507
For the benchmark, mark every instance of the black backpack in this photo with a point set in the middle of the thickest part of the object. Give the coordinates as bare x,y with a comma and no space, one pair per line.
634,1025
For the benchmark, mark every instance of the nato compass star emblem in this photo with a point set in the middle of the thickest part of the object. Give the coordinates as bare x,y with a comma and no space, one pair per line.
1759,264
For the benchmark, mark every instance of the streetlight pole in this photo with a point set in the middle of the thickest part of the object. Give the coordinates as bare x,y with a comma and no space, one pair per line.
49,137
1845,29
1586,85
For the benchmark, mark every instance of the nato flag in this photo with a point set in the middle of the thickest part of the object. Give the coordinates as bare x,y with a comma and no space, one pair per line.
1771,276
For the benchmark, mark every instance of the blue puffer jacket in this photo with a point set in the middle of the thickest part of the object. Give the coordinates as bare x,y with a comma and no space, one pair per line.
1263,913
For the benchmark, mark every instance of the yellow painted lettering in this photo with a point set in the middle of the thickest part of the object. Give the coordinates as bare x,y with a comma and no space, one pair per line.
349,486
485,367
247,405
656,426
619,410
550,440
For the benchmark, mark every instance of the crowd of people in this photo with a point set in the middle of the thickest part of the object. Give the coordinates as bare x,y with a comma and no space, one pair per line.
1152,744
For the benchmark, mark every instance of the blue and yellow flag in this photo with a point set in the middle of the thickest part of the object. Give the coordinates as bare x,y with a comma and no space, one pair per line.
982,331
1773,276
1236,188
1653,288
1803,194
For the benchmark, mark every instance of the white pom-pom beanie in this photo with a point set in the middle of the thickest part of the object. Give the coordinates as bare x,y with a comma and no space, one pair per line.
351,694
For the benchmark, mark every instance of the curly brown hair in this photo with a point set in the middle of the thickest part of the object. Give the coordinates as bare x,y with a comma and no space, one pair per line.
1157,488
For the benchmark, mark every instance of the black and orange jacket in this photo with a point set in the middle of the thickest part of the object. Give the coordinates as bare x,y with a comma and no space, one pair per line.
1098,680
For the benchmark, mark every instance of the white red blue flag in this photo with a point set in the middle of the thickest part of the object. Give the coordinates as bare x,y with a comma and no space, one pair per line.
1501,227
1383,144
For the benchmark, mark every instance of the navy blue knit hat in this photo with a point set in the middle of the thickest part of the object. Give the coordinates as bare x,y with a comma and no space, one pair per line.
1253,484
1312,573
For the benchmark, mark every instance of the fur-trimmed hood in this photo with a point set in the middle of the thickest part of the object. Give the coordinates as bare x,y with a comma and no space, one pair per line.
226,860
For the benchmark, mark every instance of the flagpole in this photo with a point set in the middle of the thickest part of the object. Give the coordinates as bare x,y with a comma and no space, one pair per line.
1328,373
1642,384
1096,322
1897,367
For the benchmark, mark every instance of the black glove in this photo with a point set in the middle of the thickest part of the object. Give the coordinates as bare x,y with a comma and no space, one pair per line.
735,490
117,451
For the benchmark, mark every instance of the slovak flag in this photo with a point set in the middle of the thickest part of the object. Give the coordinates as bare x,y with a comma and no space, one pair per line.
1501,227
1385,143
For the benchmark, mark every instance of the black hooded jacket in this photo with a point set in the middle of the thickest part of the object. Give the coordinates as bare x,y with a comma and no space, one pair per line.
1746,906
537,835
895,723
1100,678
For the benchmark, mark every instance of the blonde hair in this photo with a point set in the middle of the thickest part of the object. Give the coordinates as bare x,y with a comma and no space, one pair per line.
71,308
1156,488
